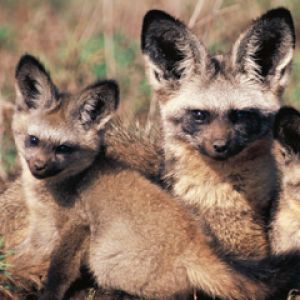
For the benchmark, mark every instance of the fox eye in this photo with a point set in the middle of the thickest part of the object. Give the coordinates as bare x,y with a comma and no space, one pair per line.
200,116
33,141
237,116
64,149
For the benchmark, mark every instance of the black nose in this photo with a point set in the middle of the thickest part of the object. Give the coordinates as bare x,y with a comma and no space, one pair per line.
220,146
39,165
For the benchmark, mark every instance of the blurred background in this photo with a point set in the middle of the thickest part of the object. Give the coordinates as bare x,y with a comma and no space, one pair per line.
80,41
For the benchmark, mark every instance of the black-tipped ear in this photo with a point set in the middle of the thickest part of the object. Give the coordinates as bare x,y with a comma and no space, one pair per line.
97,103
264,52
170,49
34,87
287,128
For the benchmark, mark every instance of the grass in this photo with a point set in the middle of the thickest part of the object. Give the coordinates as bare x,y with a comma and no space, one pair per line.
5,288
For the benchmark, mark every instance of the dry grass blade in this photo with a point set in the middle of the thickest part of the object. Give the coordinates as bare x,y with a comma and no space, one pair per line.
4,106
196,13
152,114
108,19
218,13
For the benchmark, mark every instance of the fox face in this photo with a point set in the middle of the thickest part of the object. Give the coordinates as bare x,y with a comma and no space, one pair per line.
287,132
285,226
58,134
221,104
222,135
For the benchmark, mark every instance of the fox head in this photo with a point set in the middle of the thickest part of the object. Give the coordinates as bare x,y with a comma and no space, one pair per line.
221,104
57,134
287,133
287,129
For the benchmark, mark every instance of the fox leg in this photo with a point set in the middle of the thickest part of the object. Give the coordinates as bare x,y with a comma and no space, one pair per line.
66,260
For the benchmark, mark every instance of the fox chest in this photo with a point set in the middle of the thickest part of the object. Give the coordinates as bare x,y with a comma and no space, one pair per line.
209,191
45,209
285,235
226,213
238,186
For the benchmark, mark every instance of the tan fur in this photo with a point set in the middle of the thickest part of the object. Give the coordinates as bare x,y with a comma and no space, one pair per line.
27,269
226,196
136,147
149,217
144,243
229,197
285,228
14,221
45,214
32,219
14,229
141,240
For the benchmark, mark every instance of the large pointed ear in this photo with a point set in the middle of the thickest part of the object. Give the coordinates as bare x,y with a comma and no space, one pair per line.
34,87
287,128
97,104
264,51
172,52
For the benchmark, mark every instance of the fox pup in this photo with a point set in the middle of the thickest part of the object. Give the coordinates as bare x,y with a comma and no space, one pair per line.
217,118
34,211
132,235
49,204
285,227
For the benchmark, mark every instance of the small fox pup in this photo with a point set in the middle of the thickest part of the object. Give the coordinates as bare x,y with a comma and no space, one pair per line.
56,141
132,235
285,227
217,117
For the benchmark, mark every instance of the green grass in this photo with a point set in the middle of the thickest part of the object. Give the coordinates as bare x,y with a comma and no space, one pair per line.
7,37
5,287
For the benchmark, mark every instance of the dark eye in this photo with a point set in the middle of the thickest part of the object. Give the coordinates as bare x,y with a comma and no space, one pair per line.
64,149
33,141
200,116
237,116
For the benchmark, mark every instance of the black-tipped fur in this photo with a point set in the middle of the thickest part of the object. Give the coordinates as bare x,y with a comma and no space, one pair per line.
97,101
169,44
160,34
287,128
266,44
279,272
263,53
34,84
